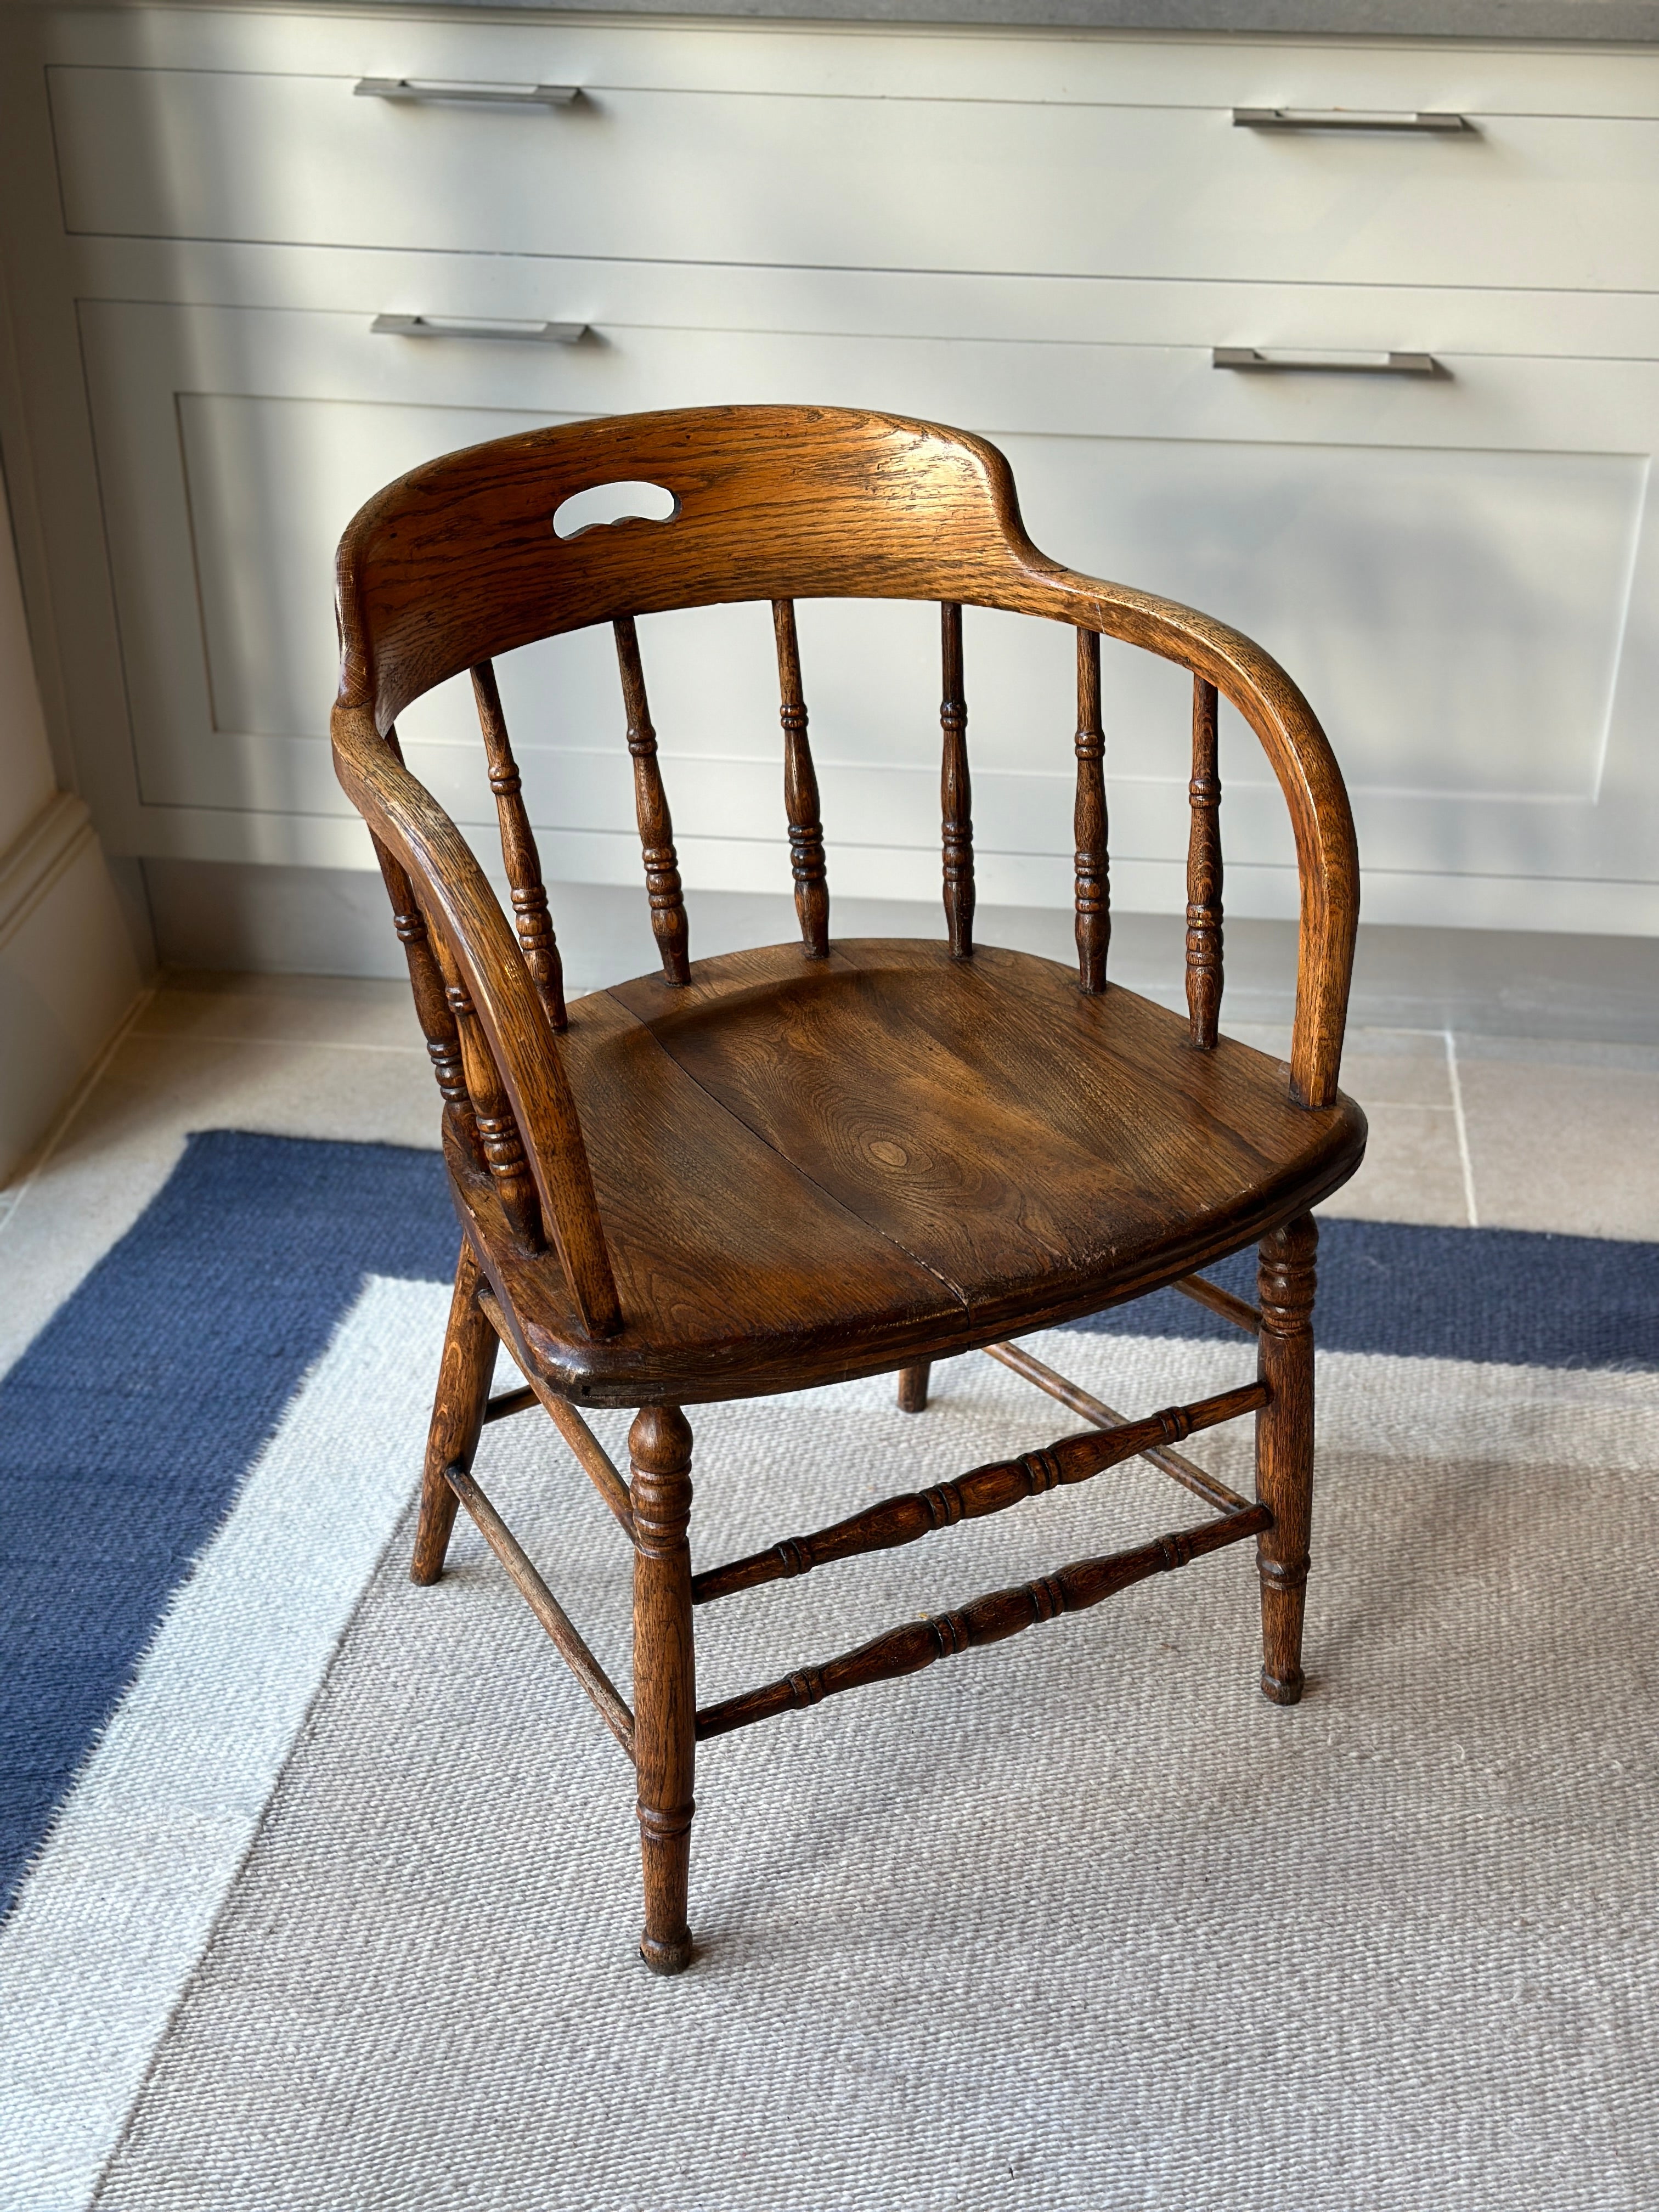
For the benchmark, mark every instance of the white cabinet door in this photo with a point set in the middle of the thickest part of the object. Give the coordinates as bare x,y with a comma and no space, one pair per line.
1461,571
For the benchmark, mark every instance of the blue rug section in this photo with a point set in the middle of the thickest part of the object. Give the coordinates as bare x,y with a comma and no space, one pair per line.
1512,1296
127,1426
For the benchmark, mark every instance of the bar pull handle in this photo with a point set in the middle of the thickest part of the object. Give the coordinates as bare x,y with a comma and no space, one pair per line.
462,326
458,94
1326,364
1346,118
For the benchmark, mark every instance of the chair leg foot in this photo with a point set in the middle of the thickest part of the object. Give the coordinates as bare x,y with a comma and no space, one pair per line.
464,1374
1283,1448
912,1387
664,1678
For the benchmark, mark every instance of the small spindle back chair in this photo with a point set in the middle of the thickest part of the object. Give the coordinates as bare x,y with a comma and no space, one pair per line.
768,1169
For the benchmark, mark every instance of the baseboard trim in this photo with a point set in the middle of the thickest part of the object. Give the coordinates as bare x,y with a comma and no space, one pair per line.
69,976
33,862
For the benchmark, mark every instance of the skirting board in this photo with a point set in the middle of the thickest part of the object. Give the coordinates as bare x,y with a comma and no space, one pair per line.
336,922
68,971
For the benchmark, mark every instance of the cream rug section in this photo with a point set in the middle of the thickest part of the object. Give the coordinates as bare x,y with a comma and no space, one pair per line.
116,1910
1079,1921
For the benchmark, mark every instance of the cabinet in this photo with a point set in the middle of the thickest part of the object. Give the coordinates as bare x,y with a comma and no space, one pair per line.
1042,239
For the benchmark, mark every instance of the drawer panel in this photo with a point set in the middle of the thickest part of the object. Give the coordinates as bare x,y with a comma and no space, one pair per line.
902,183
1461,572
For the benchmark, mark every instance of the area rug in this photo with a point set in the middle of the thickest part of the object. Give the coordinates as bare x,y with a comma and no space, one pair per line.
323,1887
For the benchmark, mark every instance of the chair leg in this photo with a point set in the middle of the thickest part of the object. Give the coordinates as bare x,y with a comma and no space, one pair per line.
665,1677
1284,1448
463,1376
912,1387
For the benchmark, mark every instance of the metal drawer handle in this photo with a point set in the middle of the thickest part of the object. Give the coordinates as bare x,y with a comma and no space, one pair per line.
460,327
1342,119
465,95
1326,364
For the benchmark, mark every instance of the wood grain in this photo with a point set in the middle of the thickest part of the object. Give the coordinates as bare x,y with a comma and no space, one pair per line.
1204,872
955,790
989,1489
989,1619
518,852
820,1161
455,564
1175,1464
1284,1448
665,1677
800,791
662,866
458,1417
1091,894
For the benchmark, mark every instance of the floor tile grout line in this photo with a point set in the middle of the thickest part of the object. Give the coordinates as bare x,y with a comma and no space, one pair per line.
67,1118
1462,1127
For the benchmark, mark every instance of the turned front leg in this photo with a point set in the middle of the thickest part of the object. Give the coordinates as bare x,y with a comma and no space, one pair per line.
1283,1448
665,1677
457,1411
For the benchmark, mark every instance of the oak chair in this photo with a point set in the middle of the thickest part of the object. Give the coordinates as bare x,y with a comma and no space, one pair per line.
828,1160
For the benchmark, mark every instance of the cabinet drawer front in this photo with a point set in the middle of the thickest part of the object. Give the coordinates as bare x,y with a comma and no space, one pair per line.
1461,574
789,180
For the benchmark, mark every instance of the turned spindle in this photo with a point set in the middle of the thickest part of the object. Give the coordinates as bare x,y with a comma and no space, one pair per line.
1284,1446
522,861
443,1044
800,791
662,870
1093,892
956,792
1204,872
499,1137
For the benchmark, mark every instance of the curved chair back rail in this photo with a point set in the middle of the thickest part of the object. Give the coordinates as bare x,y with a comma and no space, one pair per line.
459,562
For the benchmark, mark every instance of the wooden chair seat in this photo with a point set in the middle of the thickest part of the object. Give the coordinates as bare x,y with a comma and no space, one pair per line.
794,1166
810,1170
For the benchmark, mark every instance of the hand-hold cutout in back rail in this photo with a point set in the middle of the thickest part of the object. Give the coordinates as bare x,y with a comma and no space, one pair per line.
603,504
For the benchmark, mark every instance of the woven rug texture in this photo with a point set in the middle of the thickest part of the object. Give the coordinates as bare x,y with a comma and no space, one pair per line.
1079,1921
321,1891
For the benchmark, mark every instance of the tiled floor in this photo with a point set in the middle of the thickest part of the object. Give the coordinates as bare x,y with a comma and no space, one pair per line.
1499,1132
